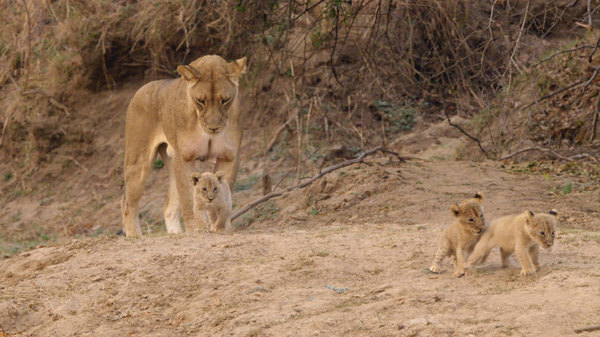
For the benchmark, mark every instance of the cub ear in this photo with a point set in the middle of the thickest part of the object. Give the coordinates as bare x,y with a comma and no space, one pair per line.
478,196
455,209
237,68
188,73
220,175
530,213
195,178
553,212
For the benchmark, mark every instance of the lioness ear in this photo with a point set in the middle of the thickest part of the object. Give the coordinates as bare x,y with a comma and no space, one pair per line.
188,73
553,212
220,176
195,178
455,210
237,68
478,196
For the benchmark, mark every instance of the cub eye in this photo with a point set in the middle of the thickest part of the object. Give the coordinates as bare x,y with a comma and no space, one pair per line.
215,189
471,220
225,101
200,101
542,234
204,189
552,233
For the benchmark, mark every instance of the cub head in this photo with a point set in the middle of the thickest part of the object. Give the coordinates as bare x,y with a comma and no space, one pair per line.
206,186
469,214
212,89
541,227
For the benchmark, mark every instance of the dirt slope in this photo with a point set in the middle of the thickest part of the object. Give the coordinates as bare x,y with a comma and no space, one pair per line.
355,266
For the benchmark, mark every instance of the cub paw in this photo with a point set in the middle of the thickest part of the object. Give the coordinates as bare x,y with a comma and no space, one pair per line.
525,272
435,269
459,273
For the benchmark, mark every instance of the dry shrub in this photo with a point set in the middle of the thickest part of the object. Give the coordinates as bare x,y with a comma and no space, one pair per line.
52,50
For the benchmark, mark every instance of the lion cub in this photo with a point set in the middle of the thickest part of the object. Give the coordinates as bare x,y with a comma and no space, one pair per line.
461,236
521,234
212,200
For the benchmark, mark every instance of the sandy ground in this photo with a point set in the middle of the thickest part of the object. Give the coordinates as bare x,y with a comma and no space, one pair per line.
347,258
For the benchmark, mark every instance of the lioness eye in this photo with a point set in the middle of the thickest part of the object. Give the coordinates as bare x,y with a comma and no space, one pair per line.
200,101
471,220
204,189
542,234
225,101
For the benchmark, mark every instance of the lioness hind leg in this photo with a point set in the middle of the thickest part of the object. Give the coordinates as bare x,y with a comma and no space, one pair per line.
172,209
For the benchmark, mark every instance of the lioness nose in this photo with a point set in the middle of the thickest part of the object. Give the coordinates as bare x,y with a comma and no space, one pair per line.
214,129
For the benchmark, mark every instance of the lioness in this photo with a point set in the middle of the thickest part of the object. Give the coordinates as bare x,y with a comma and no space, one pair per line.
521,234
212,198
460,237
192,117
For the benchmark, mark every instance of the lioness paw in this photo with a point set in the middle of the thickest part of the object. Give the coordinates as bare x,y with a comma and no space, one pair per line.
459,273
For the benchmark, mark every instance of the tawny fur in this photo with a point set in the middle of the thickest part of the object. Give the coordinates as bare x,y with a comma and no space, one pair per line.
212,198
519,234
460,237
192,117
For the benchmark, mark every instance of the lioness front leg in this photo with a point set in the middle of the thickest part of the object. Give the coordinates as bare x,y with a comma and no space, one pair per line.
183,170
230,167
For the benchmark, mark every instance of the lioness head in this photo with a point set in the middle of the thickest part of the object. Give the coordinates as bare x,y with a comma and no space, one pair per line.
541,227
470,214
212,88
207,185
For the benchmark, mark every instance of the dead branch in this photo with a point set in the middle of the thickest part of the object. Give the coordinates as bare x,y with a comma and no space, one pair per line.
275,139
588,329
552,152
596,114
466,134
593,77
560,53
554,94
594,51
330,169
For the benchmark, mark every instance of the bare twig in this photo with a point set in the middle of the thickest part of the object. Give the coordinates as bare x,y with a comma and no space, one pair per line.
596,115
592,78
588,329
554,153
466,134
561,52
554,94
275,139
594,51
330,169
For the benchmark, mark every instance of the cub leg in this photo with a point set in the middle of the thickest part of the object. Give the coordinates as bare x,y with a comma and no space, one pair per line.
504,254
527,266
182,170
439,256
534,252
172,209
460,262
137,165
481,251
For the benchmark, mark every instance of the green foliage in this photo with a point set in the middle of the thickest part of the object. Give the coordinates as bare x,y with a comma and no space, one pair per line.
568,188
397,118
158,164
8,176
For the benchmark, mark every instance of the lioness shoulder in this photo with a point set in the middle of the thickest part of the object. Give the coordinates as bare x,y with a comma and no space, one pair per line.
212,200
521,234
460,236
